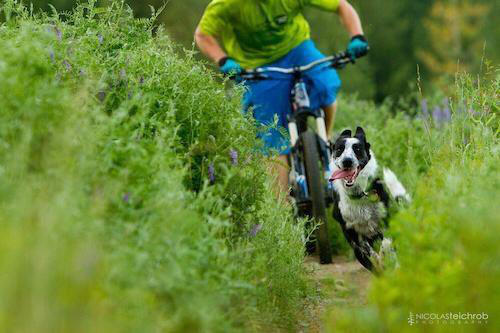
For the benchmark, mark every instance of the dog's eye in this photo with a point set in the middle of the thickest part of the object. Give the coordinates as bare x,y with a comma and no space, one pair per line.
357,149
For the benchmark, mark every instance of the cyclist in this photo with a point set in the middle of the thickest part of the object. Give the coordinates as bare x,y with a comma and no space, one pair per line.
238,34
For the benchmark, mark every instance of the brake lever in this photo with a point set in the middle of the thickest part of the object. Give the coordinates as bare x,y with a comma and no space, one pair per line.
343,58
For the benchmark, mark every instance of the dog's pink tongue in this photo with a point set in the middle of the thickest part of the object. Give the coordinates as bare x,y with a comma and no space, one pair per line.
340,174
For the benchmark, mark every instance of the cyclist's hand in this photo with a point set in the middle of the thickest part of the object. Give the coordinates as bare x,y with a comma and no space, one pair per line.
230,67
358,47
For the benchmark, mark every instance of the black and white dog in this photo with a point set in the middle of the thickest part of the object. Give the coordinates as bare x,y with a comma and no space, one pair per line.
363,194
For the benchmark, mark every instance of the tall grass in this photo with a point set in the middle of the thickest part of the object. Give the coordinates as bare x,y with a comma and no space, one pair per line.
110,218
447,238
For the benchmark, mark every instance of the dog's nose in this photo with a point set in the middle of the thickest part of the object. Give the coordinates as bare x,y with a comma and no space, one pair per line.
347,163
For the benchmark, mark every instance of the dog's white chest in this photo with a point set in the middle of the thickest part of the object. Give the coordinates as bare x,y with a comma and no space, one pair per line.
363,215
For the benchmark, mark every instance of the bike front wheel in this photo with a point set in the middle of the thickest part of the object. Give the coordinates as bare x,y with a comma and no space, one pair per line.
316,186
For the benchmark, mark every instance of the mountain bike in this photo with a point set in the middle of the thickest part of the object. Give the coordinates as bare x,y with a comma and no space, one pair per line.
310,148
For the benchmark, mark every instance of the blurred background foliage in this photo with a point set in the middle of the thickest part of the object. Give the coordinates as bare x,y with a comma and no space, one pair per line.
437,36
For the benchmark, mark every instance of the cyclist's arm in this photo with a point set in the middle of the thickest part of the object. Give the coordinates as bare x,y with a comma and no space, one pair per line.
213,24
348,15
350,18
209,46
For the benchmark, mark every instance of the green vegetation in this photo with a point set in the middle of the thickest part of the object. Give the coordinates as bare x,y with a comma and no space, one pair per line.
108,219
446,239
131,198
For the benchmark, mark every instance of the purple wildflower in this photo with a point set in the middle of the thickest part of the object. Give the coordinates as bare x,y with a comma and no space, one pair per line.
58,33
425,108
446,113
126,197
100,38
211,173
52,56
234,156
437,115
255,230
101,95
67,65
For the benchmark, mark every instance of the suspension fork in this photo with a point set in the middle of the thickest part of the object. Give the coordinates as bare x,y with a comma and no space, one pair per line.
300,101
298,124
321,126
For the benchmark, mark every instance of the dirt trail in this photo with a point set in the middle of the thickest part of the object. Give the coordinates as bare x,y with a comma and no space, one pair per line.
343,284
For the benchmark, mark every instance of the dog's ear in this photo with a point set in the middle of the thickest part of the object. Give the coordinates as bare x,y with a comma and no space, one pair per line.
361,136
360,133
346,134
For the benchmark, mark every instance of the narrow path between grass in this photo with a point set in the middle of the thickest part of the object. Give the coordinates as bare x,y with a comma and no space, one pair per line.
342,284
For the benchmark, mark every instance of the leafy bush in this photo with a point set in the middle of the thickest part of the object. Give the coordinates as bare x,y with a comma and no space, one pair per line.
110,221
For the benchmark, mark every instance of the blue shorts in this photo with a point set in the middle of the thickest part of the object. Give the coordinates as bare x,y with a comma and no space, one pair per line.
269,99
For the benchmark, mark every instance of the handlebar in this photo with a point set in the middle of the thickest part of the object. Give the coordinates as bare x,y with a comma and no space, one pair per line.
338,60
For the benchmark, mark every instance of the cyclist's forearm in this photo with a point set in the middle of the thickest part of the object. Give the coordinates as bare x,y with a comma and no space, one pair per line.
209,46
350,18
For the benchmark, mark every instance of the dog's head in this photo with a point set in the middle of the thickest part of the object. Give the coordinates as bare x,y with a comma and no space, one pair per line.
350,156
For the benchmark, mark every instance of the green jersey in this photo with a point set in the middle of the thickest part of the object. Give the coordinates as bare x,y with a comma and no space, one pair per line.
257,32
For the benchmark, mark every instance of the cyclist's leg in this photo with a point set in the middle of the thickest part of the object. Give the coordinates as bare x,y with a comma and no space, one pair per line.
269,102
279,169
330,112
